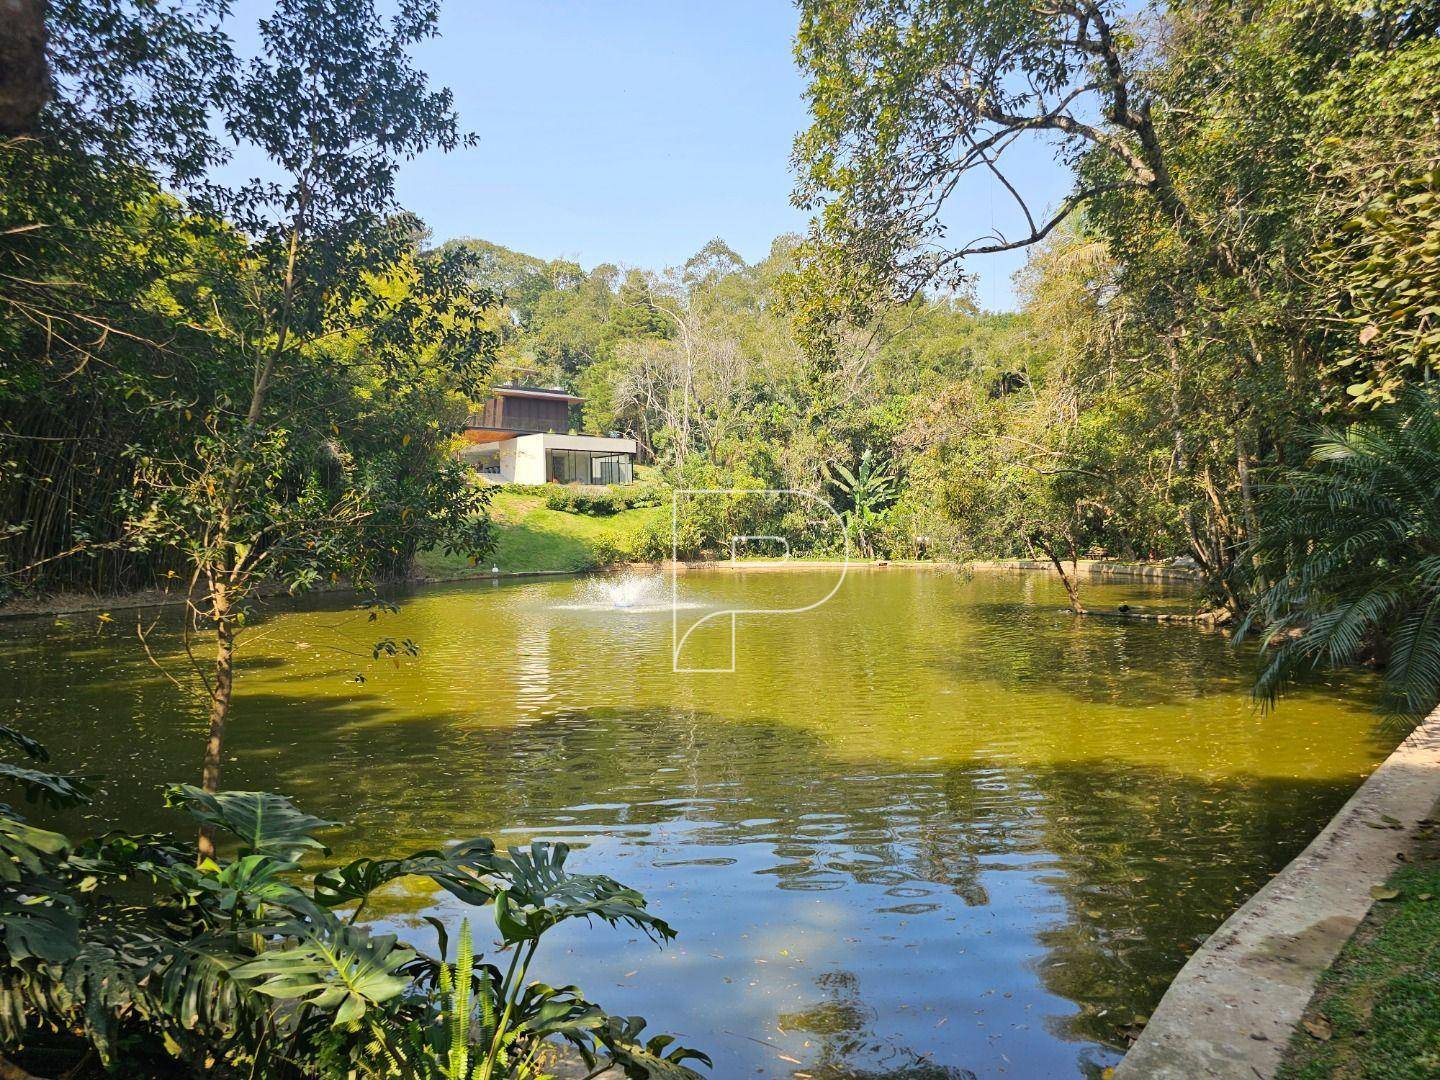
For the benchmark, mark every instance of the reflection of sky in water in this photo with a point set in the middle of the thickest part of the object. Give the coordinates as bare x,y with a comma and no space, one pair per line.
937,824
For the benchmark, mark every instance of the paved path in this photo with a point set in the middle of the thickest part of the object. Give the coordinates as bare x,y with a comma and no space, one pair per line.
1231,1010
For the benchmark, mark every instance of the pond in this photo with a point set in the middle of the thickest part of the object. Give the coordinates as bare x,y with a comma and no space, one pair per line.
935,826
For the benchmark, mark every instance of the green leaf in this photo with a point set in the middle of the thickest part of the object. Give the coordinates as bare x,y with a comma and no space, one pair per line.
458,870
265,824
542,893
654,1059
44,927
334,968
34,750
55,790
23,846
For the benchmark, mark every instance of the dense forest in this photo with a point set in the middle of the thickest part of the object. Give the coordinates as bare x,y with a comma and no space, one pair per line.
1248,256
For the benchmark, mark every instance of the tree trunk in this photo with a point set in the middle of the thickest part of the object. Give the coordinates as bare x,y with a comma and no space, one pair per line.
25,84
1242,469
1070,588
220,694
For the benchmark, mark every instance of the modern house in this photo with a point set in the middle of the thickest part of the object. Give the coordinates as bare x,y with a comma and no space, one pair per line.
522,436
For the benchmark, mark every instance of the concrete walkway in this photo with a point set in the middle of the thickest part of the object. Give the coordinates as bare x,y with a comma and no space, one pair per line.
1231,1010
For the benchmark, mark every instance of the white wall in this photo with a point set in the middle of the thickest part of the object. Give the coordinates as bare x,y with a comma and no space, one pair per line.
600,444
528,453
522,459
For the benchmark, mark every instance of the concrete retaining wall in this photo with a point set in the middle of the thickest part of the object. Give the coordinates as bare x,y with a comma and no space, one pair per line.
1233,1007
1085,569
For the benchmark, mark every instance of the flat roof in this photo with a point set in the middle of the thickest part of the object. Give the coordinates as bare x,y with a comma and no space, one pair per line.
545,393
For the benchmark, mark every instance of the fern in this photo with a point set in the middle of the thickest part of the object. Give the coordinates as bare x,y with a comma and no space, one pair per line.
459,996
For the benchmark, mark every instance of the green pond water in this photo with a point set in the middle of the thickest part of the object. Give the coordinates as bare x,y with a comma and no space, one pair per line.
934,827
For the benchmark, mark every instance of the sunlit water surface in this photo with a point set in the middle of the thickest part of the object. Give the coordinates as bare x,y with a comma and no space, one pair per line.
934,827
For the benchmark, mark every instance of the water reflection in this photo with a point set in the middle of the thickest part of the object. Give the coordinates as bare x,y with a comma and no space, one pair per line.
938,825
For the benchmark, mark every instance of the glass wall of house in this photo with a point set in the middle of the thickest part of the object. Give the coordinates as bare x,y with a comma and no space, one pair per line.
610,469
589,467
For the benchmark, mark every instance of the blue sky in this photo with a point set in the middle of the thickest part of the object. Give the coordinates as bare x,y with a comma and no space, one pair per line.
633,132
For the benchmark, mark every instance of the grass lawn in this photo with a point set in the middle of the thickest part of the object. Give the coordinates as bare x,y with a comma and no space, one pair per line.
1376,1013
533,537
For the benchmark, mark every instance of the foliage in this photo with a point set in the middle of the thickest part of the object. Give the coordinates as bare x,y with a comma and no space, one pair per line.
245,964
580,499
867,492
1246,246
229,388
1387,266
1347,557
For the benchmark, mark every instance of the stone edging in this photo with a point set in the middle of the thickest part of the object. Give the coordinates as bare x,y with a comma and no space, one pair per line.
1233,1007
1093,569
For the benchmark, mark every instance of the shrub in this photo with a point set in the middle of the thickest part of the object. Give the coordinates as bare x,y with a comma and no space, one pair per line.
244,966
601,501
607,552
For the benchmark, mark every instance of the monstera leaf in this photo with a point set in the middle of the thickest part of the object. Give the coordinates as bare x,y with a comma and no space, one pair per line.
462,870
32,749
658,1058
254,880
43,927
22,847
265,823
543,1011
334,967
105,980
541,893
195,980
358,879
54,789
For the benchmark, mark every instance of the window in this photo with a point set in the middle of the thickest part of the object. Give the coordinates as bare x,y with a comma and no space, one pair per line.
570,466
589,467
610,469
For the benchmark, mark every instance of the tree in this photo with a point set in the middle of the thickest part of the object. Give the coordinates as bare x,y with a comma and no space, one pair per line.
1348,557
909,98
1215,153
868,491
334,102
88,243
1003,474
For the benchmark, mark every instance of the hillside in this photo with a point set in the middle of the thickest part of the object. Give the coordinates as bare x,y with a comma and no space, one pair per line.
533,538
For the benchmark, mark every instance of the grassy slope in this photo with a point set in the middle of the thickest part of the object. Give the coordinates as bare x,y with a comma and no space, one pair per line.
1381,1000
533,537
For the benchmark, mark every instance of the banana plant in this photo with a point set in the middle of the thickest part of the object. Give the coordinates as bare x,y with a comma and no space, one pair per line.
868,491
249,962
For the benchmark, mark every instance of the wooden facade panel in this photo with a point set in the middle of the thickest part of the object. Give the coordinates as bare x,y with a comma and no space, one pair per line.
508,412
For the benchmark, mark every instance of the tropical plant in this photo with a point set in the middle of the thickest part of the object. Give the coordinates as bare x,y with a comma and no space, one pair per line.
248,964
1347,558
867,492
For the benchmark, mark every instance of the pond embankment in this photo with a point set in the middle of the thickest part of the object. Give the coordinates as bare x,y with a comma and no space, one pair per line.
431,571
1231,1011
